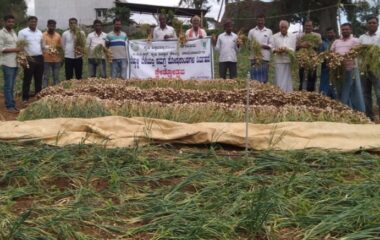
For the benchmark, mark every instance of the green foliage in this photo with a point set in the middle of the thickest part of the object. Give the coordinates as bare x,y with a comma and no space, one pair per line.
358,13
189,113
142,33
85,109
312,39
369,56
122,12
256,48
170,16
166,192
16,8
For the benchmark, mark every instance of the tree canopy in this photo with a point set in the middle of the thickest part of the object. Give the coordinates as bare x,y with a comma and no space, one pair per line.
15,7
324,13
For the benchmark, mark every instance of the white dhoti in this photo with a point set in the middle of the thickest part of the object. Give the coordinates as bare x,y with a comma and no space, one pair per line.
283,77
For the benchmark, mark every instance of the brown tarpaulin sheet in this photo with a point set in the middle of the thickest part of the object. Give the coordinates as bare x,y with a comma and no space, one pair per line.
116,131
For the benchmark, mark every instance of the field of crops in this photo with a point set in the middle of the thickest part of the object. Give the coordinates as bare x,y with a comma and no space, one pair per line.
174,192
186,101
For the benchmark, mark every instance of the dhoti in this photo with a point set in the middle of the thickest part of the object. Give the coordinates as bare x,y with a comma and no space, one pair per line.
283,77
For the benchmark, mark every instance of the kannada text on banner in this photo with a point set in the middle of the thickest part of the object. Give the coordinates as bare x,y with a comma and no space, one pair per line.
167,59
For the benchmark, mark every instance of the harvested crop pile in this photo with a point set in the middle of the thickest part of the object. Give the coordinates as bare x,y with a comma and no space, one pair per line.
85,106
260,95
185,101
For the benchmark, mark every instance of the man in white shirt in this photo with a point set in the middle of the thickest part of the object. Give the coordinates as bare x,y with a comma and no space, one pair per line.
263,36
36,64
95,38
369,79
195,31
8,51
282,43
228,45
163,31
73,58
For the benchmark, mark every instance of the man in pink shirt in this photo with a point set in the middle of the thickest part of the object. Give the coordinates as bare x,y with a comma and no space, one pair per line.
349,91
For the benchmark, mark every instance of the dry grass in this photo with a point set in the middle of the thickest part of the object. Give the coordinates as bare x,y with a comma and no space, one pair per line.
185,101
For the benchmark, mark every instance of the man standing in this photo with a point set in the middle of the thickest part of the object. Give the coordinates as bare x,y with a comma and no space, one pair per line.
73,53
33,36
95,39
117,43
163,31
325,88
282,44
52,60
349,91
228,45
9,50
263,36
369,79
195,31
310,73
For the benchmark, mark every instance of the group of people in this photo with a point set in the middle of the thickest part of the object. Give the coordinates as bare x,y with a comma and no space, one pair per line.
44,58
45,61
355,89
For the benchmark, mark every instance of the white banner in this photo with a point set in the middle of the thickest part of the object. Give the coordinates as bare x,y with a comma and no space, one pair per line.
166,59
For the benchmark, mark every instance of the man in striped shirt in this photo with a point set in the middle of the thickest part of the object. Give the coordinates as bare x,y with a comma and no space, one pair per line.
117,43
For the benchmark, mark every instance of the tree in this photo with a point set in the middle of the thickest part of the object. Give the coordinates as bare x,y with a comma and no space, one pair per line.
321,12
324,12
14,7
358,13
122,12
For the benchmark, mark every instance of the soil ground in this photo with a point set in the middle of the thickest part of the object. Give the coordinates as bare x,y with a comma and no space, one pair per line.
5,115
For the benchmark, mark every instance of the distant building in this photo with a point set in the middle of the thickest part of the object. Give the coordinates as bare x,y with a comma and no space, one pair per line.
86,11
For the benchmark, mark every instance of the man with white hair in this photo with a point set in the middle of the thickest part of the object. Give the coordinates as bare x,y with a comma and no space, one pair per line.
283,43
195,31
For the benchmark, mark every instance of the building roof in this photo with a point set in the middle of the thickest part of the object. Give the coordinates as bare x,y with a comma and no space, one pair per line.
154,9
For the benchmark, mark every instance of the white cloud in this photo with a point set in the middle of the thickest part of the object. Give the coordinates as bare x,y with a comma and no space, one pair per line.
30,4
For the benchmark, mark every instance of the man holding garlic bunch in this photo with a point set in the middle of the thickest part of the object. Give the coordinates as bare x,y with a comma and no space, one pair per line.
369,79
284,45
228,45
